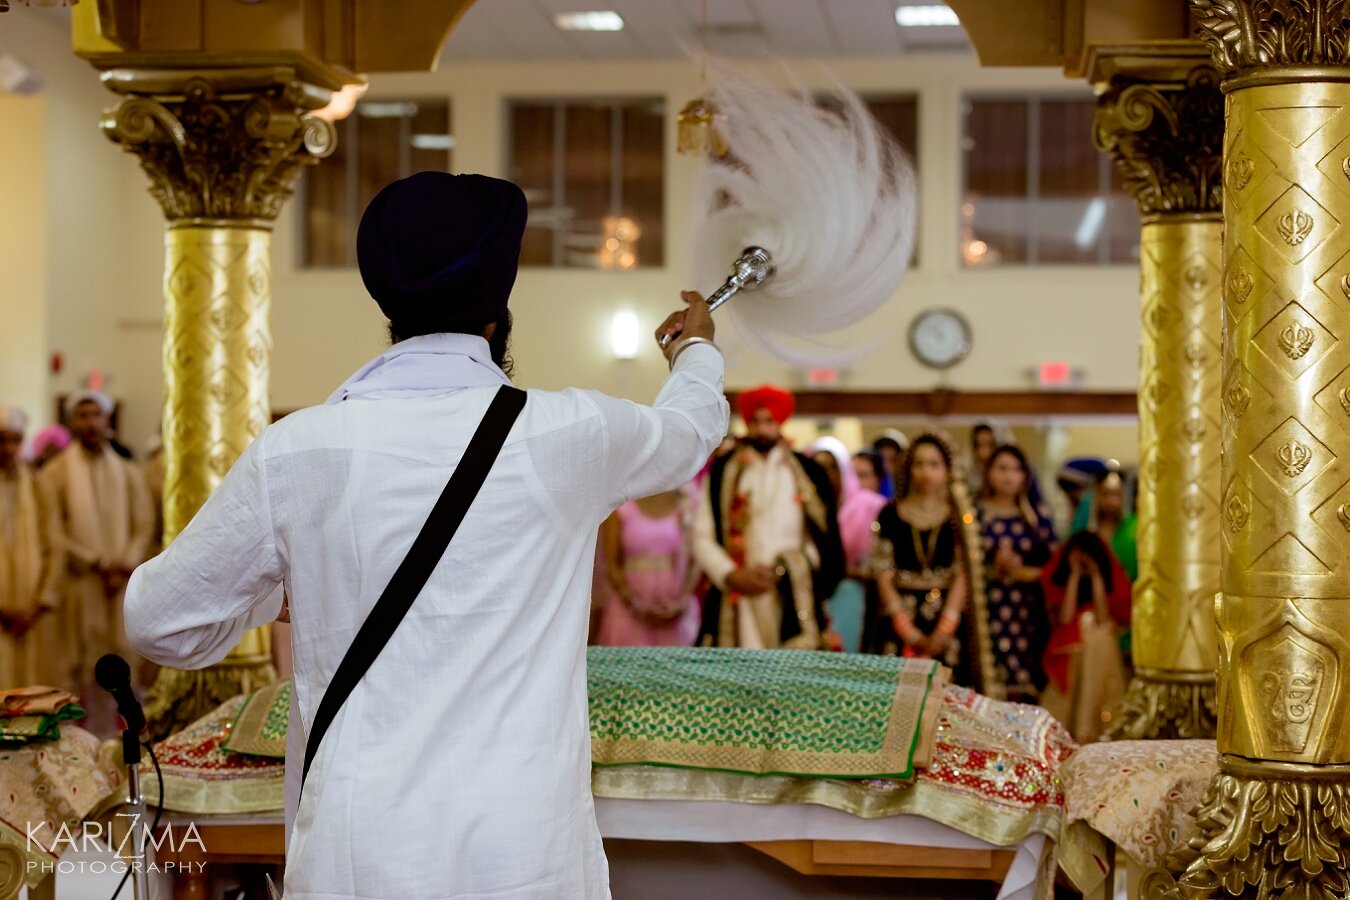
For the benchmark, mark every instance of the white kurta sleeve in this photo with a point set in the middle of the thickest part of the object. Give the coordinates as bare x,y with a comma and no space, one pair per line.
190,605
710,556
650,449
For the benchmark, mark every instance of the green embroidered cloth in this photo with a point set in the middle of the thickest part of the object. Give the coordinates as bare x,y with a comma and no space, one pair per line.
16,731
260,728
758,712
753,712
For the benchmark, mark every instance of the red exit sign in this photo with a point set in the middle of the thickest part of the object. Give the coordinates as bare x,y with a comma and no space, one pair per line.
1054,374
822,377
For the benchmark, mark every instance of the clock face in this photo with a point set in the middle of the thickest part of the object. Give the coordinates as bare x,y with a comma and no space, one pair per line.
940,338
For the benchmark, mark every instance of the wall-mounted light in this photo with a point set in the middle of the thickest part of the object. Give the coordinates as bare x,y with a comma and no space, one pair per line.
592,20
624,335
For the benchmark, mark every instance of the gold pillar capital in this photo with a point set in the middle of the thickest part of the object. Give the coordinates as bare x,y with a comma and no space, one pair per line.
1275,41
1166,135
219,144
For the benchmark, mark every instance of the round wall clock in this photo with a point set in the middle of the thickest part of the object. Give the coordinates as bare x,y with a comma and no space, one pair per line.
940,338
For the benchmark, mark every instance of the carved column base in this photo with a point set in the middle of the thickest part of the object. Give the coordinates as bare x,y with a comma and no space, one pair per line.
1268,831
1164,705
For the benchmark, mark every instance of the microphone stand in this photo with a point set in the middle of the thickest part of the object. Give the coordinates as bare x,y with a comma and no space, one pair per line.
135,810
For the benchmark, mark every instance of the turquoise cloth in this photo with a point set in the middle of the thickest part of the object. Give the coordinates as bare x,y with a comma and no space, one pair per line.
846,613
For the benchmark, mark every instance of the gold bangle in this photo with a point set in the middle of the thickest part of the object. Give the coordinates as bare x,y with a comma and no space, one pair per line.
685,344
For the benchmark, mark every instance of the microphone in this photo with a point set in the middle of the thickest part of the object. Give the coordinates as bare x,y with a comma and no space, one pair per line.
114,675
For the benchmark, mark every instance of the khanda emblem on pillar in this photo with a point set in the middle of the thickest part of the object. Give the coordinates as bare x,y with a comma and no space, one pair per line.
1237,514
1295,226
1195,355
1193,506
1240,285
1294,458
1240,171
1239,398
1159,316
1344,396
1290,699
1290,670
1296,340
1196,277
1343,516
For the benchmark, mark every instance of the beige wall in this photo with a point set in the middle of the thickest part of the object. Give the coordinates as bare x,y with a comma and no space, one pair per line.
97,240
23,337
104,249
1087,316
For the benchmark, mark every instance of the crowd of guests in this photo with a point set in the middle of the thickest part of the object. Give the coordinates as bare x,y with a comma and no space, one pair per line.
902,548
77,515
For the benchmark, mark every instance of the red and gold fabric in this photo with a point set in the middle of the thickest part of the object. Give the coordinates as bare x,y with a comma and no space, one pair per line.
202,777
994,775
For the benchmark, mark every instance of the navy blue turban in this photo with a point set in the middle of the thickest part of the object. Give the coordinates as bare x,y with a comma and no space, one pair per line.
439,252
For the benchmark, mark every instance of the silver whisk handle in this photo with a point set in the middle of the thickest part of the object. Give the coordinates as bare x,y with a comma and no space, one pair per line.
753,268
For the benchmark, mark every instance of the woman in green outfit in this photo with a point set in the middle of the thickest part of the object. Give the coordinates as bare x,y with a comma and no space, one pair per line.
1104,510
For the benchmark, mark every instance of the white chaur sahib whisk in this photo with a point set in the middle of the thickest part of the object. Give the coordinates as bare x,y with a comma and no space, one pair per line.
826,191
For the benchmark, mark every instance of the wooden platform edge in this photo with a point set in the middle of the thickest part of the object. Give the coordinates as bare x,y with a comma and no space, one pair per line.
876,860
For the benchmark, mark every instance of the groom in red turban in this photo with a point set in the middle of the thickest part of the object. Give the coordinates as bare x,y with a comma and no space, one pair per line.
768,537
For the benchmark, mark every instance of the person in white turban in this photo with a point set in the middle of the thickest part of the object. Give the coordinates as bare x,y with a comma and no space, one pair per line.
28,578
102,523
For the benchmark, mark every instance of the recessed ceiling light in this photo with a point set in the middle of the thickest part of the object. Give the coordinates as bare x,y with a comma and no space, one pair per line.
918,16
432,141
597,20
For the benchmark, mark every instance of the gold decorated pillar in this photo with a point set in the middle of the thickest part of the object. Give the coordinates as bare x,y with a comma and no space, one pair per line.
222,150
1275,822
1160,115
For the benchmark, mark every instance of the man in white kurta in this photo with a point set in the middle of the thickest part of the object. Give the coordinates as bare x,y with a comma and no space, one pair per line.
764,506
101,524
28,583
460,764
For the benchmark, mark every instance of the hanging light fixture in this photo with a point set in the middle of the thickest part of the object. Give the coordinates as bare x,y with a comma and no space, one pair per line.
696,125
696,129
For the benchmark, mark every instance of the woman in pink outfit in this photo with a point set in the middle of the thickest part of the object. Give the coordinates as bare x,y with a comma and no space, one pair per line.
649,574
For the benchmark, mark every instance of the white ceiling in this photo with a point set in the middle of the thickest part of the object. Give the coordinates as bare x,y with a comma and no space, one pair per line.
659,29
